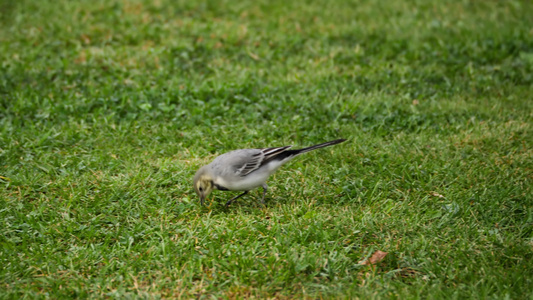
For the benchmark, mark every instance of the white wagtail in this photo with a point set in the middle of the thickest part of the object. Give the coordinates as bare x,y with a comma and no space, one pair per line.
245,169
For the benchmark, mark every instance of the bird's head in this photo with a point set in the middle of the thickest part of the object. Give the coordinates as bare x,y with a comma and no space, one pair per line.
203,184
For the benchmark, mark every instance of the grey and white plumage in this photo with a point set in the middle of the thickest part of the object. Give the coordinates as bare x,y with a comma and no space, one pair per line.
246,169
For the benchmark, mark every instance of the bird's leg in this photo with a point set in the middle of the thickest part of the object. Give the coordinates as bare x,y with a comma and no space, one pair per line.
235,198
265,188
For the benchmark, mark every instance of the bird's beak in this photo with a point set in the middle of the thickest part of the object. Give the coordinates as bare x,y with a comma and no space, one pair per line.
202,197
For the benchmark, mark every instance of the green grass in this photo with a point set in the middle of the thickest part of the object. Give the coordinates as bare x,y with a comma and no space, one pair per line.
107,109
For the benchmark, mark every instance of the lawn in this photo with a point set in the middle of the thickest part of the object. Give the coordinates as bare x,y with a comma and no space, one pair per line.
108,108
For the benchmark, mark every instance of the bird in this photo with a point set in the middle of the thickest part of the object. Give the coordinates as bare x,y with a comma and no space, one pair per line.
246,169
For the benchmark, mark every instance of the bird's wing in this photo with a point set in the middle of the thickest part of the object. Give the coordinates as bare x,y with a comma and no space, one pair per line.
256,160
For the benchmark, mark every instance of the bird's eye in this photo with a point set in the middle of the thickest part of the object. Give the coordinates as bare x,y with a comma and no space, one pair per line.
201,189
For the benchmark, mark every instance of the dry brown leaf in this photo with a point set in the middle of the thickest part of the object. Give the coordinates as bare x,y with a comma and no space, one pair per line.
374,259
86,39
435,194
82,58
254,56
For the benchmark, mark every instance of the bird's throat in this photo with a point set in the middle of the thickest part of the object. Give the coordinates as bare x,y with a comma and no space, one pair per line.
219,187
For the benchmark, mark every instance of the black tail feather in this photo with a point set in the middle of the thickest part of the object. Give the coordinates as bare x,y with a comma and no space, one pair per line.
291,153
311,148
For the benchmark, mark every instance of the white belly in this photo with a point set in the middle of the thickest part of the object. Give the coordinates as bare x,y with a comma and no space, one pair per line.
246,183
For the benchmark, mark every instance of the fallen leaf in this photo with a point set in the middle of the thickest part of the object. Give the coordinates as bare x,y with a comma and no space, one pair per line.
374,259
82,58
252,55
86,39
